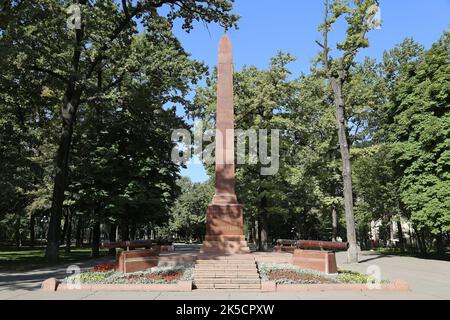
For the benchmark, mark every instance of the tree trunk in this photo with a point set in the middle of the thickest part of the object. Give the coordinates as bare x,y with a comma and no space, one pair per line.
68,231
32,231
346,169
262,226
79,233
400,236
262,243
257,237
66,220
411,246
124,232
334,220
440,244
421,242
17,236
133,232
95,247
253,232
89,237
68,112
112,238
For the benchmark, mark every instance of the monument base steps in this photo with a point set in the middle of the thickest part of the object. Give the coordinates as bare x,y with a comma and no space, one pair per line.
226,273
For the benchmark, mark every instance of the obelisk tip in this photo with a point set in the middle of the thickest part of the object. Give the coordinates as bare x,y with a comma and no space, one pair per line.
225,49
225,37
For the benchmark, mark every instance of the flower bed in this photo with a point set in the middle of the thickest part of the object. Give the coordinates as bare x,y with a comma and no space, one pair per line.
103,268
290,274
164,275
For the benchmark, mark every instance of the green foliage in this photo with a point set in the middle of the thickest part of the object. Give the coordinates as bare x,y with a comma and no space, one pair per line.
346,276
117,89
376,184
313,277
144,277
419,129
118,86
189,210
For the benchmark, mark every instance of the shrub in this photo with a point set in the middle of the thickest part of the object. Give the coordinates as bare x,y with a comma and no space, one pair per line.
163,275
290,274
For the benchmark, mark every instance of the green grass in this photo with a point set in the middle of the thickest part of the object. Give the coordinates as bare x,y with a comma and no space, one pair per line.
23,259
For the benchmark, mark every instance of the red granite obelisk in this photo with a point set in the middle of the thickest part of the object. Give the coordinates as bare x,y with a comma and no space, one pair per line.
224,217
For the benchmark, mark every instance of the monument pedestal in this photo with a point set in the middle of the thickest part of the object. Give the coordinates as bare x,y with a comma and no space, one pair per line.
225,230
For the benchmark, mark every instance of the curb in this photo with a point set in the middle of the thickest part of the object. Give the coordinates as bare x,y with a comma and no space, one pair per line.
54,285
396,285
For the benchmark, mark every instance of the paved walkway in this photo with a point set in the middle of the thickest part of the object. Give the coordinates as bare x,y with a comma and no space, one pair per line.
429,279
31,280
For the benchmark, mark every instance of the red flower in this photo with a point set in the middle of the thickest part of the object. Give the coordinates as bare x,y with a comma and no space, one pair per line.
103,268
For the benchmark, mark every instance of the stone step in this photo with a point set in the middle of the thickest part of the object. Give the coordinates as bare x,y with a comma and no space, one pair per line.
237,286
226,265
225,272
235,270
223,280
240,257
227,276
226,262
218,267
228,290
226,286
205,286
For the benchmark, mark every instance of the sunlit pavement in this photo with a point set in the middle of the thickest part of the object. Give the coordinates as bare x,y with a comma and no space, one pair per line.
429,279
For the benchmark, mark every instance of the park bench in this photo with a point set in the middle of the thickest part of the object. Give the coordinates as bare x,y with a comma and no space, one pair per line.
314,255
128,261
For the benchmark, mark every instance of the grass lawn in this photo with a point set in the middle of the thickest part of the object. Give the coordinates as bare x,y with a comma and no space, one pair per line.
23,259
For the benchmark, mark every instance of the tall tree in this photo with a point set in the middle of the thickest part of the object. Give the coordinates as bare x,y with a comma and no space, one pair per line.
359,15
418,118
38,34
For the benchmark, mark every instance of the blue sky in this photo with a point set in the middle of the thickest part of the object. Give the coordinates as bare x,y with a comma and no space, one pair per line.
267,26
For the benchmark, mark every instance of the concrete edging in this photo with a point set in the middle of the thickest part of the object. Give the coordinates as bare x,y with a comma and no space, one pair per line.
54,285
396,285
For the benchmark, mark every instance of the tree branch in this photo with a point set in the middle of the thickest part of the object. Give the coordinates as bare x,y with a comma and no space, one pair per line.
50,72
320,44
125,9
